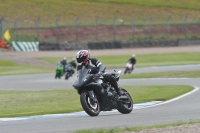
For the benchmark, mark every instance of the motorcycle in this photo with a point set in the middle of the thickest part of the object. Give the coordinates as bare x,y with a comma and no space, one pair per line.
128,68
96,95
69,71
59,71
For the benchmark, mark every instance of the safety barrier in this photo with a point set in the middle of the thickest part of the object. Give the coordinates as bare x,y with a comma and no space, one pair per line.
25,46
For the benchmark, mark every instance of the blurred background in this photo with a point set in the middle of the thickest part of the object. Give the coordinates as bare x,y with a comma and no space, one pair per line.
98,24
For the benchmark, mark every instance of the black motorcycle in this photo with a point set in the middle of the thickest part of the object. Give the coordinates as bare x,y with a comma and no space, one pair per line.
69,71
97,95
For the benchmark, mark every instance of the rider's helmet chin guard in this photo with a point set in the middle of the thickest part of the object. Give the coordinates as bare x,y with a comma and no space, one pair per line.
82,56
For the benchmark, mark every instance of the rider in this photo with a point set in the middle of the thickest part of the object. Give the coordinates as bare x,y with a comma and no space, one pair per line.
85,62
64,62
73,64
132,60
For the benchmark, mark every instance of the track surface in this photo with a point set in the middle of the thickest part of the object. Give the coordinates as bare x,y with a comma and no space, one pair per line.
184,109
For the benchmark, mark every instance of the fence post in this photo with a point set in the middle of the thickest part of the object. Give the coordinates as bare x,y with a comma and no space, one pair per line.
16,29
114,30
133,32
76,22
96,20
57,29
168,26
37,28
2,28
185,26
150,27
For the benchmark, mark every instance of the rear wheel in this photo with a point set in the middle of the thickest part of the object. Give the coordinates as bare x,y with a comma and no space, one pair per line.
125,106
91,107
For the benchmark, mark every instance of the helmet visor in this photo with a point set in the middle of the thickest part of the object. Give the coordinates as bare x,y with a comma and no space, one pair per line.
80,60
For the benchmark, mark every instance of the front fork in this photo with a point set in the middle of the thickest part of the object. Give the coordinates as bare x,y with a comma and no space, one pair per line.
91,95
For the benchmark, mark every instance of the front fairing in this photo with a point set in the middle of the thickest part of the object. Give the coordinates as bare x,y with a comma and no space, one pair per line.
117,75
83,78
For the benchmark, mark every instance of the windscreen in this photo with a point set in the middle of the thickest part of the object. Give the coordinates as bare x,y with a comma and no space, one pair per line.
82,74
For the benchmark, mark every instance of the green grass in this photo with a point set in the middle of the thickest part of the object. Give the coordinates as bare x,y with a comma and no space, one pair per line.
144,60
12,68
54,60
116,61
185,4
170,74
136,129
48,10
23,103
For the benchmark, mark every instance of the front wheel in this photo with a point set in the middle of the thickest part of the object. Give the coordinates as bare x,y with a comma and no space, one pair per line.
125,71
57,75
91,107
126,106
67,75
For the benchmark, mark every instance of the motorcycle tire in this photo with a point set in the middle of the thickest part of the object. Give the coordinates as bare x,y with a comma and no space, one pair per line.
67,76
57,75
125,71
90,109
123,107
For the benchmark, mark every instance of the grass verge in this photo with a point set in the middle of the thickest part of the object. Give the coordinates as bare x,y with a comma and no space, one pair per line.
136,129
12,68
106,9
23,103
143,60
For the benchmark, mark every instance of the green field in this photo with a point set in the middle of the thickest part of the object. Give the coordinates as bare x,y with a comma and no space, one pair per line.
145,60
23,103
116,61
12,68
169,74
68,10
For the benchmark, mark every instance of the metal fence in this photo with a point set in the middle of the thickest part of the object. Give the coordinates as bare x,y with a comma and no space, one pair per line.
100,29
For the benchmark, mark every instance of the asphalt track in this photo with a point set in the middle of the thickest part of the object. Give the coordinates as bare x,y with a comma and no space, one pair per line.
186,108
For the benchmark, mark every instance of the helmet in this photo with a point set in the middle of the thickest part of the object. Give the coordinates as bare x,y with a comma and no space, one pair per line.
82,56
133,55
64,58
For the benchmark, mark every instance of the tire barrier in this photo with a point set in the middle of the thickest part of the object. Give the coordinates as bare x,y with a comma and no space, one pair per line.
104,45
49,46
25,46
132,44
188,42
149,43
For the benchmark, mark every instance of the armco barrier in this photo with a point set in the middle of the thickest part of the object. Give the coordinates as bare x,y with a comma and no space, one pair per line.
25,46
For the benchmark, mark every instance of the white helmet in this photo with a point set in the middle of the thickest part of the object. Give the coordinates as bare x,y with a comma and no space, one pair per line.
64,58
133,55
